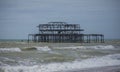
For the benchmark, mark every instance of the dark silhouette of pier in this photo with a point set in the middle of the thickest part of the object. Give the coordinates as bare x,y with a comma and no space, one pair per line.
62,32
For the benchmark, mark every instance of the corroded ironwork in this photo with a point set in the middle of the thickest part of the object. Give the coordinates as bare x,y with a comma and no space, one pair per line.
63,32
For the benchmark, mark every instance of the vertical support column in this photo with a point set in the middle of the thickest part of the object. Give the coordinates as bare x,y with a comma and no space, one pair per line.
80,38
64,37
48,38
44,38
60,34
41,38
89,38
102,38
83,38
98,39
92,38
28,38
61,38
34,38
58,38
95,38
53,37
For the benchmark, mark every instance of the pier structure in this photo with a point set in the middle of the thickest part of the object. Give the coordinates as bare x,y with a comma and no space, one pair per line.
62,32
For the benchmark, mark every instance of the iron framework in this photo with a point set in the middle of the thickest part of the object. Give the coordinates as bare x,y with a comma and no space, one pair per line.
63,32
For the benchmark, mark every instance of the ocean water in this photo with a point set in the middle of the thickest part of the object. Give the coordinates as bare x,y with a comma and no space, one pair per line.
17,56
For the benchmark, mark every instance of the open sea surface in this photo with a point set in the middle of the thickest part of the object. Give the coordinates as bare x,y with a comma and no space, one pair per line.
20,56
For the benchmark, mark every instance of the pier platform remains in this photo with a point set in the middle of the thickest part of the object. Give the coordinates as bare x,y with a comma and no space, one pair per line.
62,32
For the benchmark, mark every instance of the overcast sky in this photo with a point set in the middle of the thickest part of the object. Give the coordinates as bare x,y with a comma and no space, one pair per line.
18,18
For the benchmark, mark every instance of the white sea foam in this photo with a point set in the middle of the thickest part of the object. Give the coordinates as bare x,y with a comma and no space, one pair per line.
45,48
5,50
109,60
89,47
20,68
102,47
2,64
26,62
4,61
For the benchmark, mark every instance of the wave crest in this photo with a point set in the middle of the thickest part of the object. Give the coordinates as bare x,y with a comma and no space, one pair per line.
45,48
5,50
107,60
89,47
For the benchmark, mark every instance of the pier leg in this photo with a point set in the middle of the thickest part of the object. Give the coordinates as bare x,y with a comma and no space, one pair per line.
28,38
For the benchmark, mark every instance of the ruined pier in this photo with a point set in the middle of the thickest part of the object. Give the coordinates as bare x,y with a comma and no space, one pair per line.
62,32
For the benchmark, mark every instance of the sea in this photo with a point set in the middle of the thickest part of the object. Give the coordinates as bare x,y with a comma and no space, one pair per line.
21,56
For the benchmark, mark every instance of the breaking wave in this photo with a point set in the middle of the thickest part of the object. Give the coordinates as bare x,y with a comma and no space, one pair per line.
89,47
45,48
108,60
5,50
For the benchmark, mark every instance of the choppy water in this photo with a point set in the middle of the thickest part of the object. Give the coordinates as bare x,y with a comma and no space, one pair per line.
55,57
